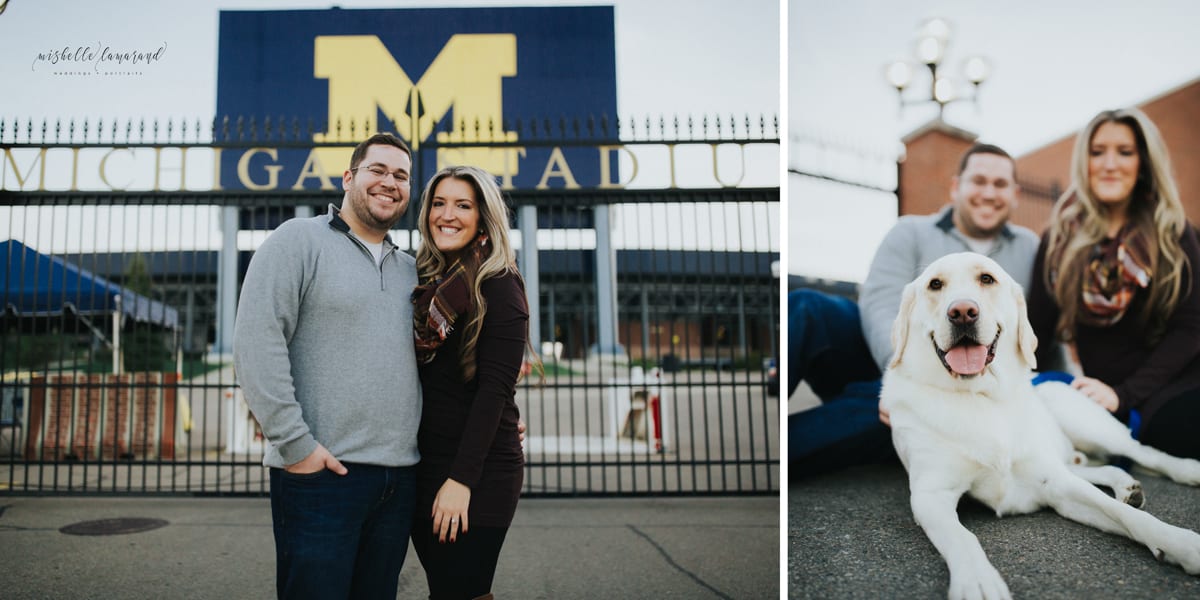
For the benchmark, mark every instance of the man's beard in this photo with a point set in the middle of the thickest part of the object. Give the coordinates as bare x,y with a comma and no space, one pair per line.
360,203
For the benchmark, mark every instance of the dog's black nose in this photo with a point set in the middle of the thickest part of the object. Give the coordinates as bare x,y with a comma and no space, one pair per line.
963,312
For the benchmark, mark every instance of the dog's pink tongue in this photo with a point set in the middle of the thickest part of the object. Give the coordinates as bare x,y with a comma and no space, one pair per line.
967,359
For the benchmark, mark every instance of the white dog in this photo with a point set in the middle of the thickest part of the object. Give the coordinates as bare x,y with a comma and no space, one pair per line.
966,419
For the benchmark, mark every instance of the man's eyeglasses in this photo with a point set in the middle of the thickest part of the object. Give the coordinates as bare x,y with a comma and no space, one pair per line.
382,173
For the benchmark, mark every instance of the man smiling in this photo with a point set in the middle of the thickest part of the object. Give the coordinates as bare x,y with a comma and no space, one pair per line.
320,355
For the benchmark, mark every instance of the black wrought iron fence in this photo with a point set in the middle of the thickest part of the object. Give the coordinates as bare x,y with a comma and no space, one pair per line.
102,281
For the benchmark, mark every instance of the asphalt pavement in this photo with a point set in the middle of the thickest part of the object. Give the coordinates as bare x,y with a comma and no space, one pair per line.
851,534
712,547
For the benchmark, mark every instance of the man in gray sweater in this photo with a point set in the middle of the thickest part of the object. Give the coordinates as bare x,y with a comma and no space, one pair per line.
841,349
324,354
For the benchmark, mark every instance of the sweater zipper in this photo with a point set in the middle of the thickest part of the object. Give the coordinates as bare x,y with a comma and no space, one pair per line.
379,267
387,253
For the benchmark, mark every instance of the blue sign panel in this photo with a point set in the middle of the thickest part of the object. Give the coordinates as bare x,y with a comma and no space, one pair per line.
418,73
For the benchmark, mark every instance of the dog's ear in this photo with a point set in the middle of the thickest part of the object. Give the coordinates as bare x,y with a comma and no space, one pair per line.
1026,340
900,325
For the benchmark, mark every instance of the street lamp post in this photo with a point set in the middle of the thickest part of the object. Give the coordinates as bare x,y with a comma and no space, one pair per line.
932,40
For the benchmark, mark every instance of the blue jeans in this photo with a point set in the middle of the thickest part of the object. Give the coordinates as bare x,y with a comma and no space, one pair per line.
826,349
341,536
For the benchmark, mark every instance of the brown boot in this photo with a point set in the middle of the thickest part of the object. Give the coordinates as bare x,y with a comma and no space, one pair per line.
486,597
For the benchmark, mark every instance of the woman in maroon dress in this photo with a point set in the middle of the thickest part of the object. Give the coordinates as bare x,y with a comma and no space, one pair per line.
471,330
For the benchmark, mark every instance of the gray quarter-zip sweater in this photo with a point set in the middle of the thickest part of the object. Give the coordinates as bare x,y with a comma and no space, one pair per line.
323,346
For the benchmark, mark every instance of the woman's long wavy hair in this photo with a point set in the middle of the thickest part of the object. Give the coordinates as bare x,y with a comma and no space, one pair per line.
498,256
1154,210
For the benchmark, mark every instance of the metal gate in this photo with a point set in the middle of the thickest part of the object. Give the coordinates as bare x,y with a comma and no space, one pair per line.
681,405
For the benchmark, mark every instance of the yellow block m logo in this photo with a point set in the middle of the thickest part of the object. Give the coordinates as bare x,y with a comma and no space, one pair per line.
364,78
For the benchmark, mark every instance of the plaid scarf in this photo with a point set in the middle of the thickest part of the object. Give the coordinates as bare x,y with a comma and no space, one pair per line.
442,300
1116,268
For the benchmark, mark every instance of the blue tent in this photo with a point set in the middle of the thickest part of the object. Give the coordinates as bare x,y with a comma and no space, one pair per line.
38,285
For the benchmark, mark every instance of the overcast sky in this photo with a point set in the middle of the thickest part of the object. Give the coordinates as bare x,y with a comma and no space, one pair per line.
716,57
1054,65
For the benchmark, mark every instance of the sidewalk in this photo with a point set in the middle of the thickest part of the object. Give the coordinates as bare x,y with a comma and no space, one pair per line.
726,547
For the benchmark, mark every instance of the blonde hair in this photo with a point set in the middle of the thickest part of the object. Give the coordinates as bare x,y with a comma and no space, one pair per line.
498,256
1154,211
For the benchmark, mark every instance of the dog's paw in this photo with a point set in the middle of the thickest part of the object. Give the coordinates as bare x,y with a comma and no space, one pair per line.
1186,472
1131,494
1183,549
980,582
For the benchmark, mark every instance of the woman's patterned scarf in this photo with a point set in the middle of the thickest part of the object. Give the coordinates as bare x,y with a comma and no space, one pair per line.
1116,268
443,300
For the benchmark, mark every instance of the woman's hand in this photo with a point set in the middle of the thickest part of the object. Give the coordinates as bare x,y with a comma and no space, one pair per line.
1098,391
450,510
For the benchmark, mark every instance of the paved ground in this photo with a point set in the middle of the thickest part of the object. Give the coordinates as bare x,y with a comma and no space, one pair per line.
851,535
725,547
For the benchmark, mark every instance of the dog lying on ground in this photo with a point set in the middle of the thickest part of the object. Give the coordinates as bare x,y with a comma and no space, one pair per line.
966,418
